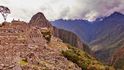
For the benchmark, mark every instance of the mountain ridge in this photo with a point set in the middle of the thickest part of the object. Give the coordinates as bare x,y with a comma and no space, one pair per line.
70,38
103,36
73,40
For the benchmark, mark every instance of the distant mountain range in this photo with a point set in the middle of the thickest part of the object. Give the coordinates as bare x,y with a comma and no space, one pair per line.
67,43
104,35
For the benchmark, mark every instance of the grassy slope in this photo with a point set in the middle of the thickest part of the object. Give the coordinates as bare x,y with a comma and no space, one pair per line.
84,60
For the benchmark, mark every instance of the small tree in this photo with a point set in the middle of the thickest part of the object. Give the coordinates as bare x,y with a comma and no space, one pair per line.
4,11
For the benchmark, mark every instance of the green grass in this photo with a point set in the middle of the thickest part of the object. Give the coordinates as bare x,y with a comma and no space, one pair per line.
23,62
83,59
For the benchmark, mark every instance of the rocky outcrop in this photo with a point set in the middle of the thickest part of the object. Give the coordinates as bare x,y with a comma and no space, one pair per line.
71,38
39,20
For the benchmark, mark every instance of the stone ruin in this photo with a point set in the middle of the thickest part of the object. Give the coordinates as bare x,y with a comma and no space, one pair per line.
24,47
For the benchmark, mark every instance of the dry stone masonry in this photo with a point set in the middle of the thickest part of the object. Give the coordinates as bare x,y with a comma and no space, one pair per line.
23,47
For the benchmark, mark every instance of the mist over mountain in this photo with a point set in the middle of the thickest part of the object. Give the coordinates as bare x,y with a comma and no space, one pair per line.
82,35
38,45
104,35
88,30
65,9
80,27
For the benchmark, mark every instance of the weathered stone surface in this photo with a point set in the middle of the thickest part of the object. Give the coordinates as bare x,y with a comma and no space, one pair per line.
39,20
22,47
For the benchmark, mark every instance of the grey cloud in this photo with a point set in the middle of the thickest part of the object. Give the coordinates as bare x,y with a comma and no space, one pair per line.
66,9
100,7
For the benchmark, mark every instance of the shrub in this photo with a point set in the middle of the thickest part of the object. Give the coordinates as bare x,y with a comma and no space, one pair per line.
46,35
74,55
23,62
70,55
83,59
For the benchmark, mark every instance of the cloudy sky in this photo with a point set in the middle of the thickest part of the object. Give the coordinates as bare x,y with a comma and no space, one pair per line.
66,9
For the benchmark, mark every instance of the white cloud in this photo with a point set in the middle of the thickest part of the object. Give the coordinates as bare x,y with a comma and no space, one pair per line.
67,9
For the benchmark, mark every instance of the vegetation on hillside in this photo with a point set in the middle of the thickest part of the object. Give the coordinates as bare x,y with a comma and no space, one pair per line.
46,34
84,60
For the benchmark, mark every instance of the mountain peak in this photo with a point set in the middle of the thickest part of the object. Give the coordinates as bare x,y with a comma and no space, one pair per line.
39,20
116,14
40,14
